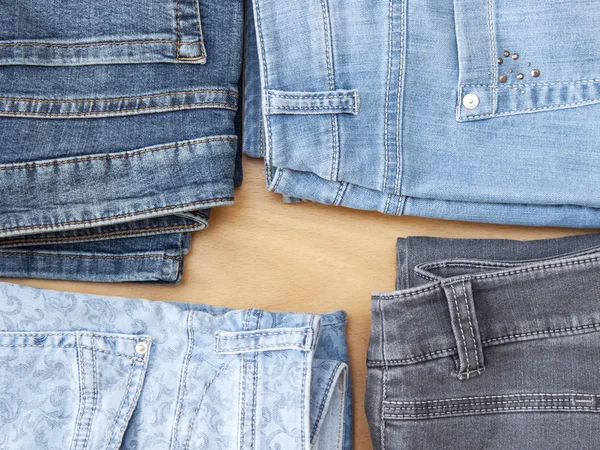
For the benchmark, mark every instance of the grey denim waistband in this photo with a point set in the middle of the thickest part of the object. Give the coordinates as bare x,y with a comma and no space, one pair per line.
458,307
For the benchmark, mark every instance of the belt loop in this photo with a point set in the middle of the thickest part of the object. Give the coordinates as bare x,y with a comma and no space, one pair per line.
465,328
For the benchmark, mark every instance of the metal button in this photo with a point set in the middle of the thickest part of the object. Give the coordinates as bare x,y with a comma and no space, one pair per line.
470,101
141,348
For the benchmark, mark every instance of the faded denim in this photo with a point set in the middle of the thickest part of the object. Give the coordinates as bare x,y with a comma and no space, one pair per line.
118,132
488,344
403,106
89,372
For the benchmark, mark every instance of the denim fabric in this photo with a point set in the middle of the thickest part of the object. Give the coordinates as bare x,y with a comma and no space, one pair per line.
89,372
488,344
411,107
118,120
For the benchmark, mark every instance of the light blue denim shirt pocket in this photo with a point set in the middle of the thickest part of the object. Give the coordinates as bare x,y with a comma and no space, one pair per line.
72,33
526,57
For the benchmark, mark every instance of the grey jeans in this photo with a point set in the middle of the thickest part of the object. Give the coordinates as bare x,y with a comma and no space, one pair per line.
488,344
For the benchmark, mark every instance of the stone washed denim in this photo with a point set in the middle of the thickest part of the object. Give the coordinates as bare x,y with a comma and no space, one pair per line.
488,344
88,372
410,107
118,133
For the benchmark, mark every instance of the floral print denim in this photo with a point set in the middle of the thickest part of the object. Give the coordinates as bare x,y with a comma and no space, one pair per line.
89,372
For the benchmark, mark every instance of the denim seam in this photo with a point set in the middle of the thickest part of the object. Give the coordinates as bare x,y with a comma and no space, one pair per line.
134,399
91,44
493,54
384,378
124,233
118,216
260,334
309,96
118,411
179,42
400,98
242,386
279,175
123,155
302,395
81,374
485,404
186,446
492,410
74,334
183,380
255,388
486,397
113,99
120,111
341,193
322,405
387,98
95,397
543,108
312,108
342,412
558,83
65,255
478,365
462,334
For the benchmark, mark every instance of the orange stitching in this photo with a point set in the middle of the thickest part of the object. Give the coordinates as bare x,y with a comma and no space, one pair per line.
118,216
32,165
91,100
179,42
110,233
59,255
178,27
116,112
92,44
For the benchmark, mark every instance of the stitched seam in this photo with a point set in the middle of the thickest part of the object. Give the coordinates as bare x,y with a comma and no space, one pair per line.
198,21
118,216
416,358
112,353
136,396
492,403
115,99
150,108
183,380
95,397
384,378
92,44
477,364
493,52
178,20
282,346
311,108
343,95
124,155
61,255
398,99
322,405
265,333
134,232
242,418
464,342
508,86
338,195
387,99
522,408
81,394
197,410
485,397
303,400
118,411
255,389
542,108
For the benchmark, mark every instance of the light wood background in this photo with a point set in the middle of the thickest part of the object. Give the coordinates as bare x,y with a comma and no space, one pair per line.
303,257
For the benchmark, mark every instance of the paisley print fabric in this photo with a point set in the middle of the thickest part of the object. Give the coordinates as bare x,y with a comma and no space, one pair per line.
89,372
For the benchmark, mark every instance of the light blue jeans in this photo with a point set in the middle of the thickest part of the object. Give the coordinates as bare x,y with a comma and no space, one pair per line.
88,372
481,110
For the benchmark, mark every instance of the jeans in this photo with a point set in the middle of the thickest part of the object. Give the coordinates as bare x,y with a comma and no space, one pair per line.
488,344
479,110
89,372
119,131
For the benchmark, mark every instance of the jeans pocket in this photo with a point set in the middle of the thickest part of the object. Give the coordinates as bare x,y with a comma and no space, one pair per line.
526,57
74,33
72,390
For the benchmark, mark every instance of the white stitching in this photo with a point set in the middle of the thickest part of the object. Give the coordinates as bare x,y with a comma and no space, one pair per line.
259,334
490,410
118,411
493,51
387,97
475,344
464,342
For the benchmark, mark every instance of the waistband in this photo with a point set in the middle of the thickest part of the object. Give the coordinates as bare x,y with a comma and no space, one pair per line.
465,305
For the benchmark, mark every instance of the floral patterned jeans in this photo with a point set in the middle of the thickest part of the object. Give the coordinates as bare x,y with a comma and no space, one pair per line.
89,372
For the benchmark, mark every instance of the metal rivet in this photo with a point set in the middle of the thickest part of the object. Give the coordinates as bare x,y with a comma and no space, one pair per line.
515,56
522,92
510,70
535,73
502,78
141,348
470,101
500,60
520,76
506,53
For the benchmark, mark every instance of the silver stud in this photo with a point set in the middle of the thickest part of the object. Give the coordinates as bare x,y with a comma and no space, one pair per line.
535,73
506,53
503,78
520,76
515,56
510,70
522,92
500,60
141,348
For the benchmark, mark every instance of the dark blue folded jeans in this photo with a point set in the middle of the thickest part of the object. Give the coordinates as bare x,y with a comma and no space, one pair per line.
118,133
488,344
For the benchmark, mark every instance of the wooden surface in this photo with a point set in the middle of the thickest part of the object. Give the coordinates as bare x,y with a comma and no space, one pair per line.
303,257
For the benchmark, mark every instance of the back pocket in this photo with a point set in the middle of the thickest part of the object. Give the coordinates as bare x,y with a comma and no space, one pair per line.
78,32
69,389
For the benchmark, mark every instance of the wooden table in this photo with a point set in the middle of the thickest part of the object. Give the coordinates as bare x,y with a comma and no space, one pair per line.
302,257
